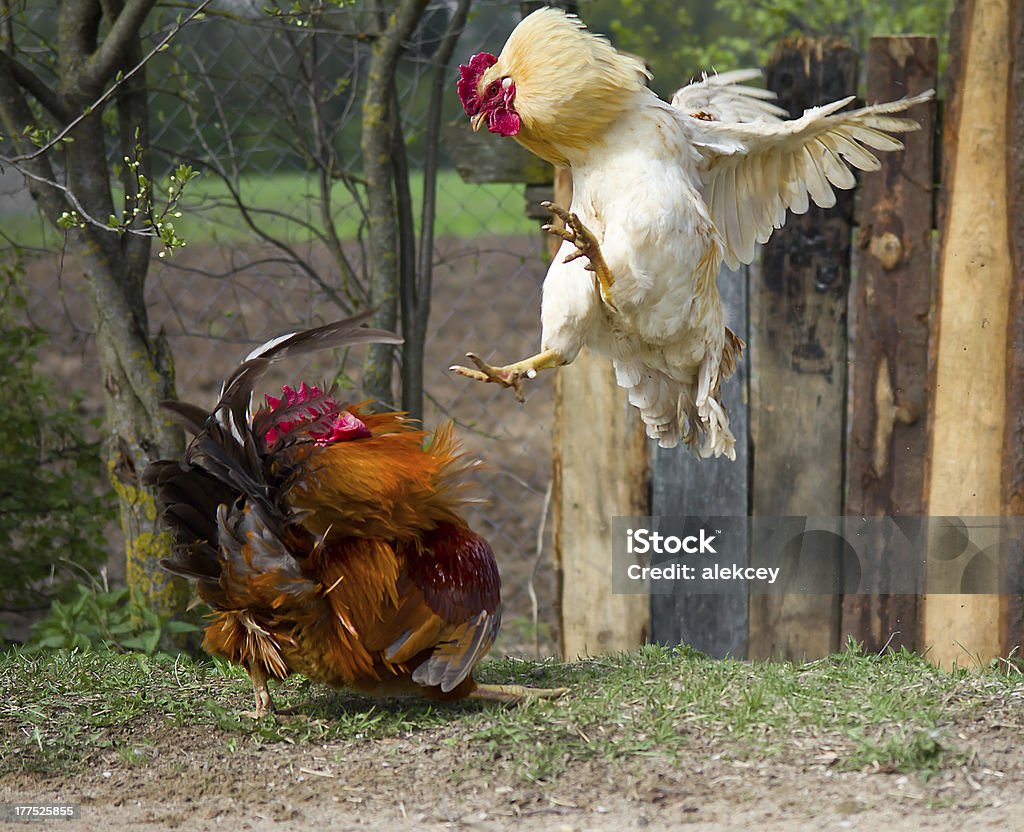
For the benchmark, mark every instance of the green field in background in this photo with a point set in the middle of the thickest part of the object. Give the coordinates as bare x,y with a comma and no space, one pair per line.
464,211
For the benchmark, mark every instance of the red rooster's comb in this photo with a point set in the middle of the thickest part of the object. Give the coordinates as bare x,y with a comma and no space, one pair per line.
470,80
339,425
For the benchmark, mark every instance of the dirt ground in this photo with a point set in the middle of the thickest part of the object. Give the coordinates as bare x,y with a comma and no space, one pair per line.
206,780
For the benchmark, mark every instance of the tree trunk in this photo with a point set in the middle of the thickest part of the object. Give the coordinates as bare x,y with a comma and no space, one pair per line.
136,367
137,373
382,212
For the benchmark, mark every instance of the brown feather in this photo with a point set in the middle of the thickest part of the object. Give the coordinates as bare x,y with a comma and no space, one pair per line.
388,486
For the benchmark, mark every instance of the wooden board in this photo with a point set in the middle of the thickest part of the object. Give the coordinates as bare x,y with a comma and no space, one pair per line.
486,157
969,401
890,301
798,360
682,485
600,471
1013,442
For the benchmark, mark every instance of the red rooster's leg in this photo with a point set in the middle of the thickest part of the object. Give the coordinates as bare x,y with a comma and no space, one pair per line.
515,694
264,704
587,246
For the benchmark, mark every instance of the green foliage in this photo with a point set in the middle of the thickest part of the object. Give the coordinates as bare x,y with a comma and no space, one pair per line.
908,751
470,209
682,39
53,504
155,219
97,618
211,218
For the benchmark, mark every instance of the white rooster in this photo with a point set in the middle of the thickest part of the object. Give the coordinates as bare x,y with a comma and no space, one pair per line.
662,195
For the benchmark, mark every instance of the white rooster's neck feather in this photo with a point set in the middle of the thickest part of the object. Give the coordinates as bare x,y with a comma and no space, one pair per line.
571,85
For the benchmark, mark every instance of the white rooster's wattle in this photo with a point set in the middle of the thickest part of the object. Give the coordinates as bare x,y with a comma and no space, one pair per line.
663,194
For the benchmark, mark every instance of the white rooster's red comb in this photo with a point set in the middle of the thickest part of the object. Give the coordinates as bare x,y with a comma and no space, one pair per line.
470,80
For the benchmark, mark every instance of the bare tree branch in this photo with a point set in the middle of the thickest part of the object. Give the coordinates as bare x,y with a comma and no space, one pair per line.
302,263
416,297
72,200
353,292
411,402
113,52
325,161
106,96
35,86
16,115
233,271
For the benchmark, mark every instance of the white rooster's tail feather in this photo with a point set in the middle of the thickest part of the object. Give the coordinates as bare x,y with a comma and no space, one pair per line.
656,396
670,411
710,419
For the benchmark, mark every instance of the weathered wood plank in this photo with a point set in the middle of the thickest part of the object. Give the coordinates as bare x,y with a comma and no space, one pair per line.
600,471
682,485
486,157
969,393
798,359
890,302
1013,440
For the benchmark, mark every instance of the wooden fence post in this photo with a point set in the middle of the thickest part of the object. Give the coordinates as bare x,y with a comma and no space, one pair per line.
971,400
1013,440
890,303
798,360
600,471
684,486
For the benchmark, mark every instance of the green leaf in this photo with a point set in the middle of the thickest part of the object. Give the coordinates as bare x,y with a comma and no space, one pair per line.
176,627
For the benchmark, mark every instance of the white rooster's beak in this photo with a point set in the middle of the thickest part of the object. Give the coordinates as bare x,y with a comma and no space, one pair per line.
478,120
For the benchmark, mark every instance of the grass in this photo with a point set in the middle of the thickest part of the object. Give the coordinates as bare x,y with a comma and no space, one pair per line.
893,712
209,216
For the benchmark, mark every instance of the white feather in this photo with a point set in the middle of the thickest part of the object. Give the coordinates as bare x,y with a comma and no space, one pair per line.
796,161
273,342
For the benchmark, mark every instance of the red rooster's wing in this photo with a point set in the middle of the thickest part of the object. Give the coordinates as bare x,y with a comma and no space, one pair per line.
449,608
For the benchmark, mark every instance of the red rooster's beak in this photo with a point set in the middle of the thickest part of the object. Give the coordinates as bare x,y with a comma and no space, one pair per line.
478,120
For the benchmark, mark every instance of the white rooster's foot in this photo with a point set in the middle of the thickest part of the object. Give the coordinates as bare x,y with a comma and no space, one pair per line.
511,375
586,244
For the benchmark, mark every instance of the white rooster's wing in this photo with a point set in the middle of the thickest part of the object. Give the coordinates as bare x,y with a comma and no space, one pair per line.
724,97
753,172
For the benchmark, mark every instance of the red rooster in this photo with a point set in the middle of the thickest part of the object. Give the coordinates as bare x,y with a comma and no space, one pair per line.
327,539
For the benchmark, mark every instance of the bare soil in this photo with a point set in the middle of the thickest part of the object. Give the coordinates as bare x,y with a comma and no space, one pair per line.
199,779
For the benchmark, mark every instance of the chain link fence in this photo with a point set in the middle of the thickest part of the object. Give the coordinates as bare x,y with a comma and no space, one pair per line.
267,108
